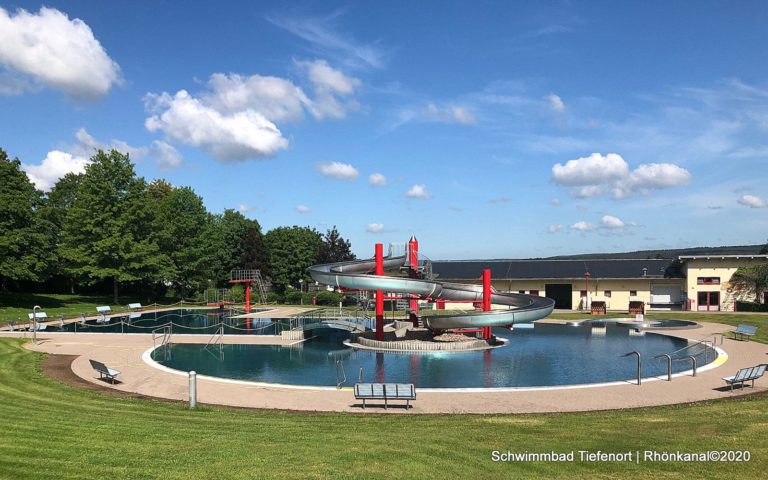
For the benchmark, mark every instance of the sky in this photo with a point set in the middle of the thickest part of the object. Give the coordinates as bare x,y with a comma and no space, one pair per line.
487,129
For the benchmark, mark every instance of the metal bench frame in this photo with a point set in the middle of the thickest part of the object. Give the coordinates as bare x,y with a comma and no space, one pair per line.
386,392
104,371
745,331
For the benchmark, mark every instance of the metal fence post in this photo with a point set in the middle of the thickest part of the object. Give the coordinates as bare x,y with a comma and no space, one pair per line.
192,389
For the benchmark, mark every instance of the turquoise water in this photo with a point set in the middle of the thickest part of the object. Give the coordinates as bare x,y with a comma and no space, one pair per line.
548,354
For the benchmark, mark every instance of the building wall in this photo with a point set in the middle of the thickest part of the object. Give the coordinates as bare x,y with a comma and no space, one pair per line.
619,291
722,268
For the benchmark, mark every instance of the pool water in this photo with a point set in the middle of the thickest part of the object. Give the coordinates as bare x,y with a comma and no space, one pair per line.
546,355
186,321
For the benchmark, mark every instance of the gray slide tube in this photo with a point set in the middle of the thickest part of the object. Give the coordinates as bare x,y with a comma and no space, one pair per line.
354,275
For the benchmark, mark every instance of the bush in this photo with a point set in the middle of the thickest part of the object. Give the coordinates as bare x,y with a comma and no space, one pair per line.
292,297
751,307
274,297
328,298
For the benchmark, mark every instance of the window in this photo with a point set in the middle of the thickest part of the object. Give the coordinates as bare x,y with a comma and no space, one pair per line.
522,292
583,293
708,280
633,293
607,294
535,293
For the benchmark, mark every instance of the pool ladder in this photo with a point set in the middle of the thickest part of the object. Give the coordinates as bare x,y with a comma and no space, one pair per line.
216,340
706,343
341,374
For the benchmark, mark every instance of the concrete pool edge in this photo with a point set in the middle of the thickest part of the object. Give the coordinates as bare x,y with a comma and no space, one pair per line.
721,359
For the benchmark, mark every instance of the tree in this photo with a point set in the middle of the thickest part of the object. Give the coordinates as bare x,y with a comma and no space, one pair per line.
291,251
108,230
751,280
335,248
764,250
180,227
56,204
25,243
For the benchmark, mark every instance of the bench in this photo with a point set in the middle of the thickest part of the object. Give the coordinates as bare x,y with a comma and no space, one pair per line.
745,331
38,316
134,306
104,309
104,371
598,308
386,392
745,375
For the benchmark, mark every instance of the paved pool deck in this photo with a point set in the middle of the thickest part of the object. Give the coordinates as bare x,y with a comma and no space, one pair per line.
125,352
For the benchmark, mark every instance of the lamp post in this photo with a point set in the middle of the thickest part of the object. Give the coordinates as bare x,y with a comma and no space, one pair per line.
34,323
586,299
301,291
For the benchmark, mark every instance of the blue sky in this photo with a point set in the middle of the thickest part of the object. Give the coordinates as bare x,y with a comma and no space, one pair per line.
487,129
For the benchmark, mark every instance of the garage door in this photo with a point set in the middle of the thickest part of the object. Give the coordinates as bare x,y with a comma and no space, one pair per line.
665,293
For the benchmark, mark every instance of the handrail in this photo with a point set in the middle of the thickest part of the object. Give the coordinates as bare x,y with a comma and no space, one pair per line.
639,363
669,365
343,375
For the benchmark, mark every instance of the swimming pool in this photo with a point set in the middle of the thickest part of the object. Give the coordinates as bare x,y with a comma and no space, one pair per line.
545,355
183,320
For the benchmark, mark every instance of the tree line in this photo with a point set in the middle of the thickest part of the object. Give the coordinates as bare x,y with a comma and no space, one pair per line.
109,229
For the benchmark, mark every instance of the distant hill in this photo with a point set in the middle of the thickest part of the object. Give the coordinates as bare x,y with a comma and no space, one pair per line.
671,254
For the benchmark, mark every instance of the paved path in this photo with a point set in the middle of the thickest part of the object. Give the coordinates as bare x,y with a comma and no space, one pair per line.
124,352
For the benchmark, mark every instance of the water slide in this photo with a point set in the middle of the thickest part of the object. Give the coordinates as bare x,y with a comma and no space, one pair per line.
355,275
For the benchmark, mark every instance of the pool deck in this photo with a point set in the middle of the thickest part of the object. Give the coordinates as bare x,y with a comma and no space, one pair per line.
125,352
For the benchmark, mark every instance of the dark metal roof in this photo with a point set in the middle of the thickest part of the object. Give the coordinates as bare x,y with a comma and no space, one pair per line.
555,269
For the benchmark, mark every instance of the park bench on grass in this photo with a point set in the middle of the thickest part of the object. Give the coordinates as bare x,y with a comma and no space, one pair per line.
104,371
38,317
745,331
103,311
745,375
134,306
386,392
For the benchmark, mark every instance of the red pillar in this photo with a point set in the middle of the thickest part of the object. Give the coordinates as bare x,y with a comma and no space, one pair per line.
413,262
379,293
247,297
486,300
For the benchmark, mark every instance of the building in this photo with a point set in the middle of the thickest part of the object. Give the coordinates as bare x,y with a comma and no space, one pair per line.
690,282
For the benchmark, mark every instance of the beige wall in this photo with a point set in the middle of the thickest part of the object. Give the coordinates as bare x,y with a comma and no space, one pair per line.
724,268
620,290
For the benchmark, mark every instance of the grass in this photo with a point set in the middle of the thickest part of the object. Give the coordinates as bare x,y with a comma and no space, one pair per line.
50,430
16,306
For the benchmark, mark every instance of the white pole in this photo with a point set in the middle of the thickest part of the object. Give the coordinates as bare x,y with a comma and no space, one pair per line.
192,389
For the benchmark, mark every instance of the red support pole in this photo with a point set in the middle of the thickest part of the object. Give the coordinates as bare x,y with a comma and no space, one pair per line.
486,299
413,262
248,297
379,293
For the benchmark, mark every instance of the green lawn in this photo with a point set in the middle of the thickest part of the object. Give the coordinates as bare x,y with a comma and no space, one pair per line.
50,430
16,306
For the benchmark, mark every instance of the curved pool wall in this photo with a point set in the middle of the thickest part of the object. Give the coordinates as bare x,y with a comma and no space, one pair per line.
546,355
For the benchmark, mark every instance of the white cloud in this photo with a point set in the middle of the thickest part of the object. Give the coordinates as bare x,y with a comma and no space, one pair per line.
321,33
751,201
331,89
302,209
165,155
374,228
341,171
554,228
228,137
418,191
377,179
583,226
611,222
55,165
447,114
591,170
51,49
600,174
555,103
276,98
555,202
244,208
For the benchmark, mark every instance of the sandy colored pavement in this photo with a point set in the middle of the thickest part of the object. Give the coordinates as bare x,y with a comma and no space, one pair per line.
124,352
